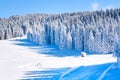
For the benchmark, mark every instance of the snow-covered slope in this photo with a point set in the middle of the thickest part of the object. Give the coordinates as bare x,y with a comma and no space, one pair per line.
21,59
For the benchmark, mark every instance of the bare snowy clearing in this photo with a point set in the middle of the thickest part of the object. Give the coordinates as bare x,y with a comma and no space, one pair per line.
21,59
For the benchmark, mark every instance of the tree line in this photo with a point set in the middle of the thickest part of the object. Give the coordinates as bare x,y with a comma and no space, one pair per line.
93,32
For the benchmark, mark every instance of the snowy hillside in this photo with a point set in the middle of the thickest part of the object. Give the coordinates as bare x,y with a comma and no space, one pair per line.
93,32
22,59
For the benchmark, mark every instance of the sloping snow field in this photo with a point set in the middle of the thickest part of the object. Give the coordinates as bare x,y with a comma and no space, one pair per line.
21,59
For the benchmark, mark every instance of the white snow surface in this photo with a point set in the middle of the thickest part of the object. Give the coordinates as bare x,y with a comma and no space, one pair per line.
21,59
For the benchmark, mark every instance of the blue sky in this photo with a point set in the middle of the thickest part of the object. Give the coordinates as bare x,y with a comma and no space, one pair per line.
22,7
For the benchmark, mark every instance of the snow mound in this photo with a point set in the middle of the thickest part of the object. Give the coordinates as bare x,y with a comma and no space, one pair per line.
83,54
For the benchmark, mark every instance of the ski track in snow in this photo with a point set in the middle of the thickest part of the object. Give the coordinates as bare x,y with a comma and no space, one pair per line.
18,58
104,73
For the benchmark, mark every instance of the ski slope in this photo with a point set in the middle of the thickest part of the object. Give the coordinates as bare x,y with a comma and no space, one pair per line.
22,59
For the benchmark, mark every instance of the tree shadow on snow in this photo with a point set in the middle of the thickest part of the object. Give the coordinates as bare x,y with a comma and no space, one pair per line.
92,72
47,74
50,50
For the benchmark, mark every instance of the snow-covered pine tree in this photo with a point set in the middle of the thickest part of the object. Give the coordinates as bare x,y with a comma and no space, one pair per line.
63,37
69,41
